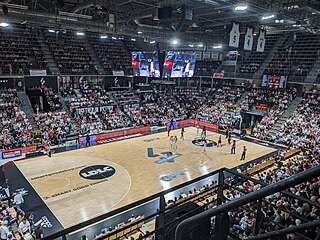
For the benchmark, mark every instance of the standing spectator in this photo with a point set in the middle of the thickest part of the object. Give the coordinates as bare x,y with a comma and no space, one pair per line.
17,201
24,228
4,231
38,233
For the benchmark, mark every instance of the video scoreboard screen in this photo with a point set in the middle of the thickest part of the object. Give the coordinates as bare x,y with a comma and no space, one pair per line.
274,81
145,64
179,64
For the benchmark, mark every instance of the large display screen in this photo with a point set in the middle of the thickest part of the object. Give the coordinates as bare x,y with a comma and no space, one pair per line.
179,64
145,64
274,81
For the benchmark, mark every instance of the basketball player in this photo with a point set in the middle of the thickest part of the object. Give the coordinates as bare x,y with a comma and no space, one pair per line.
182,132
204,132
227,132
198,129
169,129
175,141
229,139
219,142
171,142
233,147
204,145
243,156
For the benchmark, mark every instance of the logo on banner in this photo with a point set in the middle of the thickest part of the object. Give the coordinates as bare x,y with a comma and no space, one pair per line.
44,222
97,172
200,143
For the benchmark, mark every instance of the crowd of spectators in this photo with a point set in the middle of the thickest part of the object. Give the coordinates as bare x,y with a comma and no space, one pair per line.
102,121
14,126
17,47
52,99
70,53
276,101
223,99
278,210
301,130
54,126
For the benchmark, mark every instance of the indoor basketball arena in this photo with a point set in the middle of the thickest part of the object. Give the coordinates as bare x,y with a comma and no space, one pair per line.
160,119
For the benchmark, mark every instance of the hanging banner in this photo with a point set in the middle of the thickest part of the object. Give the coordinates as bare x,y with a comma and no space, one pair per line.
206,55
234,35
261,40
248,39
38,72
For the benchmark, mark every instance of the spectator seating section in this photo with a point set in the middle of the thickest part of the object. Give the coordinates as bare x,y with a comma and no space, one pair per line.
20,51
70,53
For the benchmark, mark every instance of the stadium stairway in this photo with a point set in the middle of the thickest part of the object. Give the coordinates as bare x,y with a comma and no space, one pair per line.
94,58
126,49
242,98
268,59
66,109
287,113
313,73
26,107
52,65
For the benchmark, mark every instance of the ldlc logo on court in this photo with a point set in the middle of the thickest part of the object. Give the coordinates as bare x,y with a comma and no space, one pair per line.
200,143
97,172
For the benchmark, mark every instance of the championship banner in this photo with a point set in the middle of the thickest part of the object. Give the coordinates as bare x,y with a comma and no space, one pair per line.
206,55
261,40
38,72
248,39
234,35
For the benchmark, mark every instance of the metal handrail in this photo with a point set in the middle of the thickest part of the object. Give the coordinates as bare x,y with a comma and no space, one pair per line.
259,194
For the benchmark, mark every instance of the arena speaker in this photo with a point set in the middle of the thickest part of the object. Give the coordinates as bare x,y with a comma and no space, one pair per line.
165,13
199,230
5,9
161,56
186,19
60,3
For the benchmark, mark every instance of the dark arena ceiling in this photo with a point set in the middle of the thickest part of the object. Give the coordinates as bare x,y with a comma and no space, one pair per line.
191,20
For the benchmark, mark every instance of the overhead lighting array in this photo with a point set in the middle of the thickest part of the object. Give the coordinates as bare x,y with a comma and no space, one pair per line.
4,24
268,17
217,46
241,8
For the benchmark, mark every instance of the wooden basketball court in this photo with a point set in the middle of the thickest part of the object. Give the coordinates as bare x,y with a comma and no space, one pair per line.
81,184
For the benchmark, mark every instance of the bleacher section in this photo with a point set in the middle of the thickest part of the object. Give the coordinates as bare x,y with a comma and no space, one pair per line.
69,53
296,58
255,59
206,67
112,53
20,51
